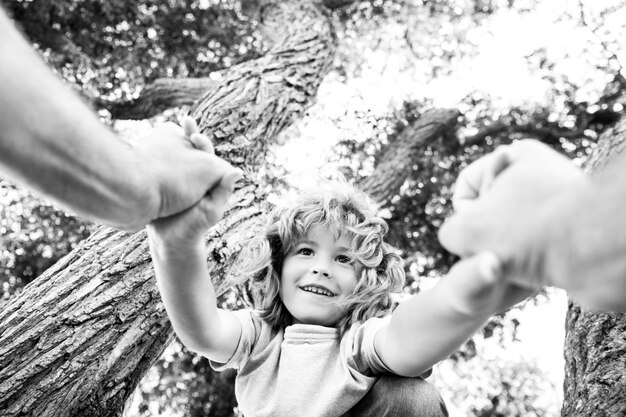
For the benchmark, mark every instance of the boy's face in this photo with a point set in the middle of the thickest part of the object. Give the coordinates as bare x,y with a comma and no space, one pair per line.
316,275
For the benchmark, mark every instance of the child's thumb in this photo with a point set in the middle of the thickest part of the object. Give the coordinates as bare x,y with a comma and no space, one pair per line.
189,125
477,282
489,266
478,273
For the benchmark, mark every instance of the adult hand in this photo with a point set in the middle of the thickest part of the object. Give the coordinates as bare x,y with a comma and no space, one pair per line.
181,167
502,204
187,227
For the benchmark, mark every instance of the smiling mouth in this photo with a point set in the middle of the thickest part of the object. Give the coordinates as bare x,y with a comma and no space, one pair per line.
317,290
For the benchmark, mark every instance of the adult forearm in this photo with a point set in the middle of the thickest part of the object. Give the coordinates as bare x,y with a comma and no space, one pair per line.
53,143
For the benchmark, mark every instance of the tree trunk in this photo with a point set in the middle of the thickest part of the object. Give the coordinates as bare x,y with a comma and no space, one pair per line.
595,343
77,340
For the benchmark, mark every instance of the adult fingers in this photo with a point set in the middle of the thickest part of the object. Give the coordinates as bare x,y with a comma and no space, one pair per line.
478,177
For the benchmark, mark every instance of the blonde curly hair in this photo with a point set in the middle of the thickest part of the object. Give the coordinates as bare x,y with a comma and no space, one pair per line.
341,209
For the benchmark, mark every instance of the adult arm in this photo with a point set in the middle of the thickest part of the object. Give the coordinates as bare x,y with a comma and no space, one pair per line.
548,222
428,327
53,143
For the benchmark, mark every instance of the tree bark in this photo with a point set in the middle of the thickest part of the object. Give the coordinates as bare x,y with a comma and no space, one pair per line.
79,338
165,93
595,343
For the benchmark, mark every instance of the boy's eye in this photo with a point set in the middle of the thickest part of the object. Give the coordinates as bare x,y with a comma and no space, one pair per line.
305,251
342,259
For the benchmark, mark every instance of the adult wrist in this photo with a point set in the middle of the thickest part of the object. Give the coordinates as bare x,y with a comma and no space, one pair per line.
560,248
145,202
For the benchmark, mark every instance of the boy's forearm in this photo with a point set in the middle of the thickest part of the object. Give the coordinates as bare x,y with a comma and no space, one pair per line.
429,327
187,292
52,142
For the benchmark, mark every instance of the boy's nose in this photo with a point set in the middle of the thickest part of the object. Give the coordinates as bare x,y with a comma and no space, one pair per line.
321,271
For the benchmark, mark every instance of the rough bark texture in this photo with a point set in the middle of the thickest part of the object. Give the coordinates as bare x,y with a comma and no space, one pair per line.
595,344
256,101
165,93
78,339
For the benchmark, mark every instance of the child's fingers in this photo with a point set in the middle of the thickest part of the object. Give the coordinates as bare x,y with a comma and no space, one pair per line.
478,284
189,126
202,142
214,203
193,135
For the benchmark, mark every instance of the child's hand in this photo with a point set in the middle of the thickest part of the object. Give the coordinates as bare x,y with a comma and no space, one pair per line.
187,228
479,286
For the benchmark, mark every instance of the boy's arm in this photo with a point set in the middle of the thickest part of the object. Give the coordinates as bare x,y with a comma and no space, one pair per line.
189,298
179,256
431,325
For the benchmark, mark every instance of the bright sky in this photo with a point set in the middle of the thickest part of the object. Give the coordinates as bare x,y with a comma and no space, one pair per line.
499,68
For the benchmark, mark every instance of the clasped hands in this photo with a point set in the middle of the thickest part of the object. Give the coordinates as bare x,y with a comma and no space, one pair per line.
504,204
194,185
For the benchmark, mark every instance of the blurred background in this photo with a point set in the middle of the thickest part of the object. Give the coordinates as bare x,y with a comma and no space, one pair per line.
546,69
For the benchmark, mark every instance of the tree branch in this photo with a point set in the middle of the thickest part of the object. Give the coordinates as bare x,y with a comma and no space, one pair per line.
394,162
162,94
337,4
547,134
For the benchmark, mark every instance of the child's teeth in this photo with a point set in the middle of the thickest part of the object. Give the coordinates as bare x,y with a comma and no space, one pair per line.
318,291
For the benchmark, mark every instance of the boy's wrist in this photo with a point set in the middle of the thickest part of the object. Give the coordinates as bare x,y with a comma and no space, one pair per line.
165,247
476,297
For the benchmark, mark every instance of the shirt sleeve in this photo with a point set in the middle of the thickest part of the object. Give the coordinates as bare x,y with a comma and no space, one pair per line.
245,345
358,346
363,356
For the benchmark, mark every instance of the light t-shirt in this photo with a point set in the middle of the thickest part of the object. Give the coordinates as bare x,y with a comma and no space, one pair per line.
303,370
